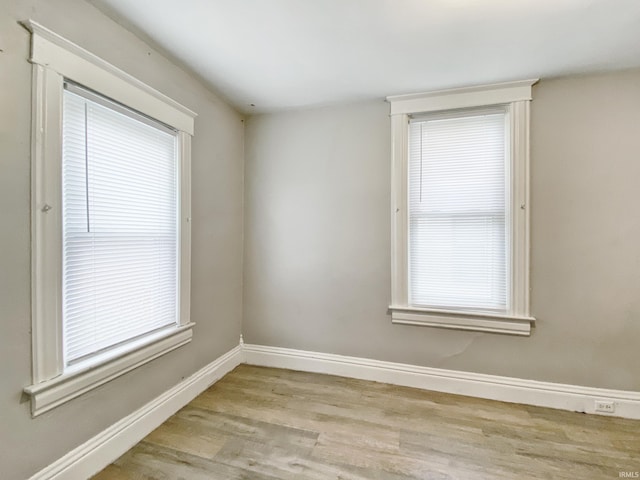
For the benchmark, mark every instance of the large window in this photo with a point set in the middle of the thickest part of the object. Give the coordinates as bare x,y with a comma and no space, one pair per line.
111,222
460,209
119,228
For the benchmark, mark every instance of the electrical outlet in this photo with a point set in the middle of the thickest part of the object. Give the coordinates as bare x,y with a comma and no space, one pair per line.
605,406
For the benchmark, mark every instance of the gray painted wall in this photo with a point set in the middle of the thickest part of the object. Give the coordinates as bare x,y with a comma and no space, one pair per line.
317,227
30,444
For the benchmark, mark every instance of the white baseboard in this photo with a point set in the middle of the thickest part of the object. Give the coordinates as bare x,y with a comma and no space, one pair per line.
98,452
506,389
95,454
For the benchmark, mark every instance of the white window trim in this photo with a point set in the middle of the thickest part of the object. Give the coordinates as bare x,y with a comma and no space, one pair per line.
55,59
516,96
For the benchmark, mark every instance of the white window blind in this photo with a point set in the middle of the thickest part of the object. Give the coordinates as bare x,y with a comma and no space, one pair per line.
458,210
120,225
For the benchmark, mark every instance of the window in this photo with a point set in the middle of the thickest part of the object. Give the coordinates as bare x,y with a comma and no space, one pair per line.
458,229
119,225
460,213
111,226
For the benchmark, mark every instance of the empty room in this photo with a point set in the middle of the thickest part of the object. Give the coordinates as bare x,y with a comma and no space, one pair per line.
320,239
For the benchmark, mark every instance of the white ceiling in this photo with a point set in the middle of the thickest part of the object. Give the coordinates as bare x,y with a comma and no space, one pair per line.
282,54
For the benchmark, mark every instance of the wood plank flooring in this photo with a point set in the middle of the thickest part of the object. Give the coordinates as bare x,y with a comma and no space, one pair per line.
263,424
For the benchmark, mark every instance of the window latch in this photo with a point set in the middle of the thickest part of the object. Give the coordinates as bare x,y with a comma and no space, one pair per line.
46,208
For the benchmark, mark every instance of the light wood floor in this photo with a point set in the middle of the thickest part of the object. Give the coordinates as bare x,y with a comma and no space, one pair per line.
264,423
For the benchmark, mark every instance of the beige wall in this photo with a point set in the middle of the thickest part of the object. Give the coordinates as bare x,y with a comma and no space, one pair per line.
30,444
317,229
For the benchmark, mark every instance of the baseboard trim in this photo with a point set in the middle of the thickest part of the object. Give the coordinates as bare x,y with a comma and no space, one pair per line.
98,452
506,389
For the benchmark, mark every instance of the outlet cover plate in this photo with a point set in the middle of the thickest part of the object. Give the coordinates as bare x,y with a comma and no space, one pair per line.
605,406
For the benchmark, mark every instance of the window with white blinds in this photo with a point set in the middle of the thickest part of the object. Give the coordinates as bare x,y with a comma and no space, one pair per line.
460,208
458,216
111,221
120,259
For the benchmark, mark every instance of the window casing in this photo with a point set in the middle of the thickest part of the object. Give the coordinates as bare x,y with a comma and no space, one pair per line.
460,209
110,221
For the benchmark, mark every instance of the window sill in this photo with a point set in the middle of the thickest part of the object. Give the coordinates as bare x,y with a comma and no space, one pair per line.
78,380
460,320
